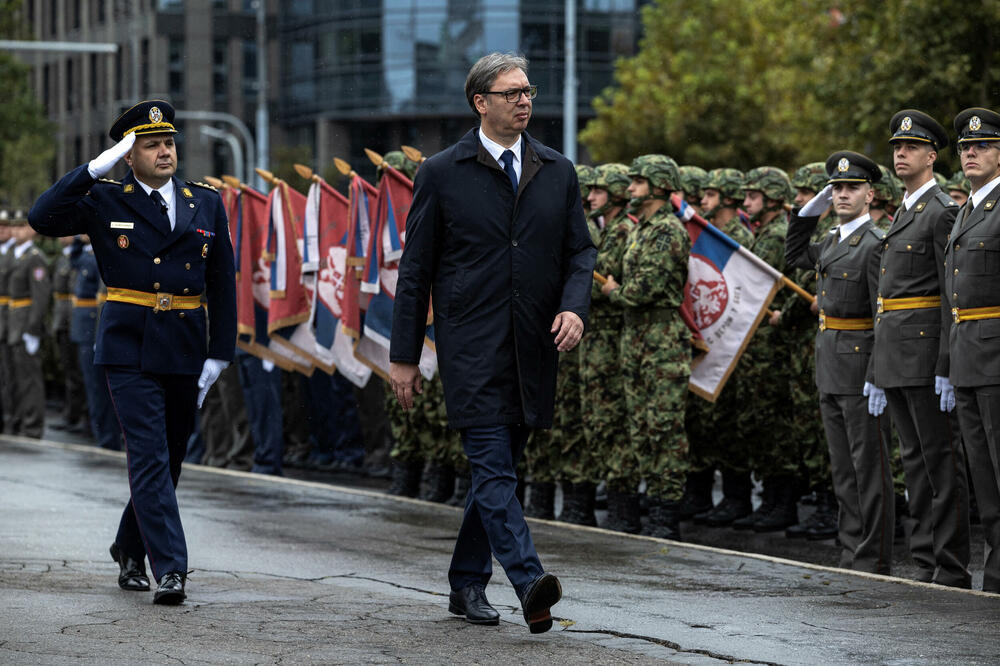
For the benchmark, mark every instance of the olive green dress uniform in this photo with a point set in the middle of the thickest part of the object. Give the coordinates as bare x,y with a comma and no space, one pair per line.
63,280
908,355
29,289
972,287
847,283
10,422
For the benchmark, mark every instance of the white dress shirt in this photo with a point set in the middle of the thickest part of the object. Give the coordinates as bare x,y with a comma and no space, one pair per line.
983,192
910,200
849,228
496,150
167,192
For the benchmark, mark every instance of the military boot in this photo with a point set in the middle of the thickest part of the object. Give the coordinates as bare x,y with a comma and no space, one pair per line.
664,520
785,511
438,483
623,512
697,493
406,478
825,519
462,485
766,505
543,499
736,490
578,504
817,519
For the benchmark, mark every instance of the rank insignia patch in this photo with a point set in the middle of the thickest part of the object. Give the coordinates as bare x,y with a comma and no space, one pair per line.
129,189
123,241
204,250
186,192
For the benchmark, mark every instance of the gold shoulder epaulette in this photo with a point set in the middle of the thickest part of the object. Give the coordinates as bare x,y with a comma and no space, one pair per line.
200,184
111,181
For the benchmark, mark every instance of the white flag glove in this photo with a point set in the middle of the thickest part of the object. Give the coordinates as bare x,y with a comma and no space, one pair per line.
106,161
268,365
815,206
209,373
30,343
947,392
876,399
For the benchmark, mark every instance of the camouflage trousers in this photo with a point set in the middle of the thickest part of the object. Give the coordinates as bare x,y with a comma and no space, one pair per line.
405,430
656,364
604,409
439,444
559,454
766,415
806,422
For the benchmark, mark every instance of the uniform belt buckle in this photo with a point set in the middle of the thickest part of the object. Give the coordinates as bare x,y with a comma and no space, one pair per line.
954,314
163,302
822,321
878,303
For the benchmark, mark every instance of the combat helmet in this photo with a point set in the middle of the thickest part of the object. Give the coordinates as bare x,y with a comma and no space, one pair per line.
660,170
585,174
811,177
692,180
885,189
772,182
729,182
398,160
614,178
959,182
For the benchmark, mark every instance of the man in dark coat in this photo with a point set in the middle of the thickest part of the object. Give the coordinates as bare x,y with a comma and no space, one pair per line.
496,231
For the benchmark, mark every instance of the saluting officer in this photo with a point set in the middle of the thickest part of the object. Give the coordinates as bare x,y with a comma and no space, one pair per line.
909,362
159,243
846,262
972,285
28,291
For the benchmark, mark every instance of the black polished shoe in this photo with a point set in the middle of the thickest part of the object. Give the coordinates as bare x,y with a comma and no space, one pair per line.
471,602
171,589
541,595
132,576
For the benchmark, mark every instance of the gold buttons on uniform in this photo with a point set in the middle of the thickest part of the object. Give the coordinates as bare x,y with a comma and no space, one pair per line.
186,290
885,247
878,320
824,274
981,244
954,296
156,285
845,274
156,260
883,270
956,271
823,293
909,247
921,332
957,246
856,348
181,315
187,267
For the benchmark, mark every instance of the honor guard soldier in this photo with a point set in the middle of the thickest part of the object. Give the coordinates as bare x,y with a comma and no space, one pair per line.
28,291
63,278
159,243
846,261
7,242
909,363
972,285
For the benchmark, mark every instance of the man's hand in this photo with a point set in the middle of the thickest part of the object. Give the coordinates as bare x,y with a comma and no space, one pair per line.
876,399
814,307
568,328
775,318
210,371
406,381
609,286
106,161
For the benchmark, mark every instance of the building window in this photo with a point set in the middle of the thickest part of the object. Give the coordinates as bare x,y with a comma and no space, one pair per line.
70,85
46,82
220,71
170,5
175,68
101,11
95,82
75,12
53,16
249,70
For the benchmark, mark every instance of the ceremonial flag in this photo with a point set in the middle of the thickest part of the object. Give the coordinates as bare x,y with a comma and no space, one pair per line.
727,294
363,210
330,210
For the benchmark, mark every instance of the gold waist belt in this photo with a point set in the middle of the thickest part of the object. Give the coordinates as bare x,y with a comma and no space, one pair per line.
160,301
909,303
15,303
972,314
845,323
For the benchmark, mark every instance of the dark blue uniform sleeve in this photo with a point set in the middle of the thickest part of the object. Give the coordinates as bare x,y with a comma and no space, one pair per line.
416,271
579,256
220,287
65,209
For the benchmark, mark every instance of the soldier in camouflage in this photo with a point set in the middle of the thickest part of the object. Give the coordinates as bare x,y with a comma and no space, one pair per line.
958,187
655,349
885,193
692,182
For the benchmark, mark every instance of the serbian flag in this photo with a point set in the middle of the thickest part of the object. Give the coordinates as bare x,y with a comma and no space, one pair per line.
327,210
727,294
363,211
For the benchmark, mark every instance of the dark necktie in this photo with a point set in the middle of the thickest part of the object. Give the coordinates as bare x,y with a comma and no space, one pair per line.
162,205
507,157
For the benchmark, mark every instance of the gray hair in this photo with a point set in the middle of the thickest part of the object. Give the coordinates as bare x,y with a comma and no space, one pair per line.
487,69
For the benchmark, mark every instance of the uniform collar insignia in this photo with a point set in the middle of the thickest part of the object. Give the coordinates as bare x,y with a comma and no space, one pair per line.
989,204
187,193
855,239
919,207
129,189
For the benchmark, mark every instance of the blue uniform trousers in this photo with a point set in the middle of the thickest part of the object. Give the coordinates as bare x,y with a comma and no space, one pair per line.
157,414
103,424
494,523
262,393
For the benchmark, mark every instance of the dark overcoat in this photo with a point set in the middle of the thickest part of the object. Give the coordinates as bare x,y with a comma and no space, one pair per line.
499,268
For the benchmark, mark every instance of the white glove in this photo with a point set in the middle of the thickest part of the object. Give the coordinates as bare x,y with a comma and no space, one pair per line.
106,161
30,343
209,373
876,399
815,206
947,392
268,365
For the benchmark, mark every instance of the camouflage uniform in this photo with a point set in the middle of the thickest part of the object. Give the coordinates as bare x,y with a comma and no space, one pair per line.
692,183
655,352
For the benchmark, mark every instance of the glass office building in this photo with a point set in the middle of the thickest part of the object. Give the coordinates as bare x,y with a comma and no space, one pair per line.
356,73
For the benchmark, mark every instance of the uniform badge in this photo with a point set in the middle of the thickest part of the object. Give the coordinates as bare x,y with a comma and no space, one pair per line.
39,274
855,239
129,189
920,207
155,115
906,125
186,192
843,165
123,241
975,123
204,250
989,205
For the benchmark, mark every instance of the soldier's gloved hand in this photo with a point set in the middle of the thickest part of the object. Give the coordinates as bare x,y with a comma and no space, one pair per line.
31,343
106,161
267,365
947,392
876,399
209,373
815,206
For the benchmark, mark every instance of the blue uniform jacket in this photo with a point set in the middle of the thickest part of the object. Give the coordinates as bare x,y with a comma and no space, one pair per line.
135,250
83,322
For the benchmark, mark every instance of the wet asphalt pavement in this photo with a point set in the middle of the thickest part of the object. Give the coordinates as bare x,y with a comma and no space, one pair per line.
290,571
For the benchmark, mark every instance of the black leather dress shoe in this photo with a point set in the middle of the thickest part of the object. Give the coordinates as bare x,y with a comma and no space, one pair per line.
471,602
541,595
171,589
132,576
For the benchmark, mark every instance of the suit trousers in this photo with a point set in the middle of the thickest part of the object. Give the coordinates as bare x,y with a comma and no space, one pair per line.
937,496
979,415
262,392
494,522
103,424
28,386
862,481
157,414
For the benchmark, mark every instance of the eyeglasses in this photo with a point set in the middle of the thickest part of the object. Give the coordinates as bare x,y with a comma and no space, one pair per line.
978,145
513,96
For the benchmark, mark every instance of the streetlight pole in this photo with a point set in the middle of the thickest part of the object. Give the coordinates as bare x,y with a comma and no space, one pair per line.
569,84
229,138
263,154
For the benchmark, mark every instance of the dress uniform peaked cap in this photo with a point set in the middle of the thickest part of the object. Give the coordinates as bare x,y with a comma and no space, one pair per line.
914,125
153,116
977,124
845,166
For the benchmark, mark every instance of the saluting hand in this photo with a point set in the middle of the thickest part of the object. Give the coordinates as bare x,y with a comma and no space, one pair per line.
406,381
106,161
568,328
